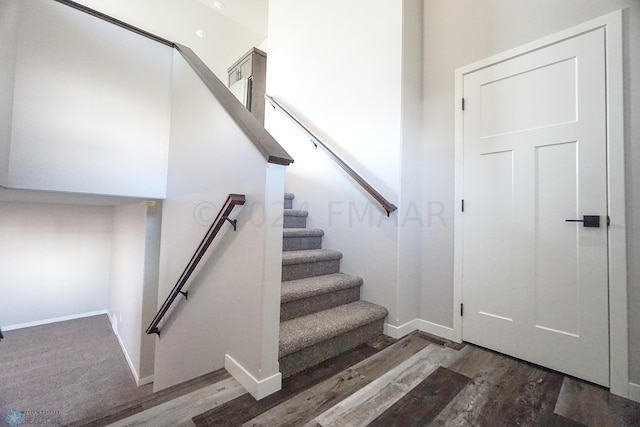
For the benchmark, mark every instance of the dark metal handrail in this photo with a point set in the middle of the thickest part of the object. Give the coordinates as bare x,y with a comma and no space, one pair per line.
232,201
386,205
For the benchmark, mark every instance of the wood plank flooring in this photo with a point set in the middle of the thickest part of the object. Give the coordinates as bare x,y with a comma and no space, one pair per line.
416,381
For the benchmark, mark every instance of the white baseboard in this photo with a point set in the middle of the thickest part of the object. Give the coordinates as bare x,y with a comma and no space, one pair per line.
145,380
634,392
136,377
114,325
53,320
438,330
257,388
398,332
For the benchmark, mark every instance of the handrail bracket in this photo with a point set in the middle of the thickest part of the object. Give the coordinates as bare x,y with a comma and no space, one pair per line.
233,222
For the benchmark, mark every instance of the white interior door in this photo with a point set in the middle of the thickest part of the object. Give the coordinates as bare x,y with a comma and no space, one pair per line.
535,286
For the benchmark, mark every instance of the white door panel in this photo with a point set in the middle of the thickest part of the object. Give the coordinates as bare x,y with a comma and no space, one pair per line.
535,286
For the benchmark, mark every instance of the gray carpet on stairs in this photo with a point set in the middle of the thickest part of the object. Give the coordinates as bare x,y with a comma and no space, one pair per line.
309,330
321,314
309,295
75,368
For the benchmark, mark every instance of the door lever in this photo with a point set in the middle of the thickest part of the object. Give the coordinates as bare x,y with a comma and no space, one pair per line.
587,221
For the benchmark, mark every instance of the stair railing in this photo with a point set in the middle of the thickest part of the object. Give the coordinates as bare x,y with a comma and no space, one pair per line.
386,204
223,216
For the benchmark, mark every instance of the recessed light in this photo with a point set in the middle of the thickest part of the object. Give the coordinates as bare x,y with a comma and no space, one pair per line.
201,33
219,5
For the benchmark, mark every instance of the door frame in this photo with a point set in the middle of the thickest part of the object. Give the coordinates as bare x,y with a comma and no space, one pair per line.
617,242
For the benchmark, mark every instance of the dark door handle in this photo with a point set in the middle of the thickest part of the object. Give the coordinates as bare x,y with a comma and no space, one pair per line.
587,221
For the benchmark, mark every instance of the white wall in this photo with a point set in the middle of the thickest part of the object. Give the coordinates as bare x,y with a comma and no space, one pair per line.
360,91
54,261
342,76
226,40
91,106
412,208
131,263
8,35
234,296
481,29
150,287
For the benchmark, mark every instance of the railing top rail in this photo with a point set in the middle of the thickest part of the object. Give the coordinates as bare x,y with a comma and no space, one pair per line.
264,142
386,204
261,139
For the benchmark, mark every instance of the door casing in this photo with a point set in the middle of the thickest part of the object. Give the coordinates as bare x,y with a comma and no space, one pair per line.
618,316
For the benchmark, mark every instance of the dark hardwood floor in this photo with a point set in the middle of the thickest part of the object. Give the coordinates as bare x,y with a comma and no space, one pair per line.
419,380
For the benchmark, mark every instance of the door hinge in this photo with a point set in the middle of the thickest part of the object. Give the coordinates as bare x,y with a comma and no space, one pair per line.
461,309
462,205
462,104
608,221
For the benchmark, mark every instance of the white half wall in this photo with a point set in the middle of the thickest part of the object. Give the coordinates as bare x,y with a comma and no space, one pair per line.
131,294
234,295
91,105
482,29
54,259
9,36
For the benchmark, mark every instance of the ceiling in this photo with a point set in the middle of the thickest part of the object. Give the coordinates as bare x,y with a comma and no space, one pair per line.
252,14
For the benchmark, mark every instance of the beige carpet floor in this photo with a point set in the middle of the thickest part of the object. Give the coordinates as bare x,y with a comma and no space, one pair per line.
65,371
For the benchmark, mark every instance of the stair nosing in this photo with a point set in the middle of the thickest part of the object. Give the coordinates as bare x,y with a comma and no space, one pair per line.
302,232
296,212
325,330
326,284
306,256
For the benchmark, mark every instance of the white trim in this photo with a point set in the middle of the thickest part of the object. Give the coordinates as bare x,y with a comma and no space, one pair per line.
145,381
258,388
438,330
398,332
618,319
53,320
132,368
441,331
634,392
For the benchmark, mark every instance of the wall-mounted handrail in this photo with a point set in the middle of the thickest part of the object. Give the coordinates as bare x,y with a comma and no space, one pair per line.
223,216
386,204
261,139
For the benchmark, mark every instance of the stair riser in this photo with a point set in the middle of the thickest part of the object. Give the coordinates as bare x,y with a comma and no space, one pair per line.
288,203
294,221
301,243
310,269
311,356
302,307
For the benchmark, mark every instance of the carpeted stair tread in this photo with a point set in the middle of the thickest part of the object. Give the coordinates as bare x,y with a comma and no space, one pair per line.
302,232
293,290
302,332
288,200
298,239
296,212
309,256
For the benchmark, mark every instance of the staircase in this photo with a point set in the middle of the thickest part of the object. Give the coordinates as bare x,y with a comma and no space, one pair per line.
321,313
